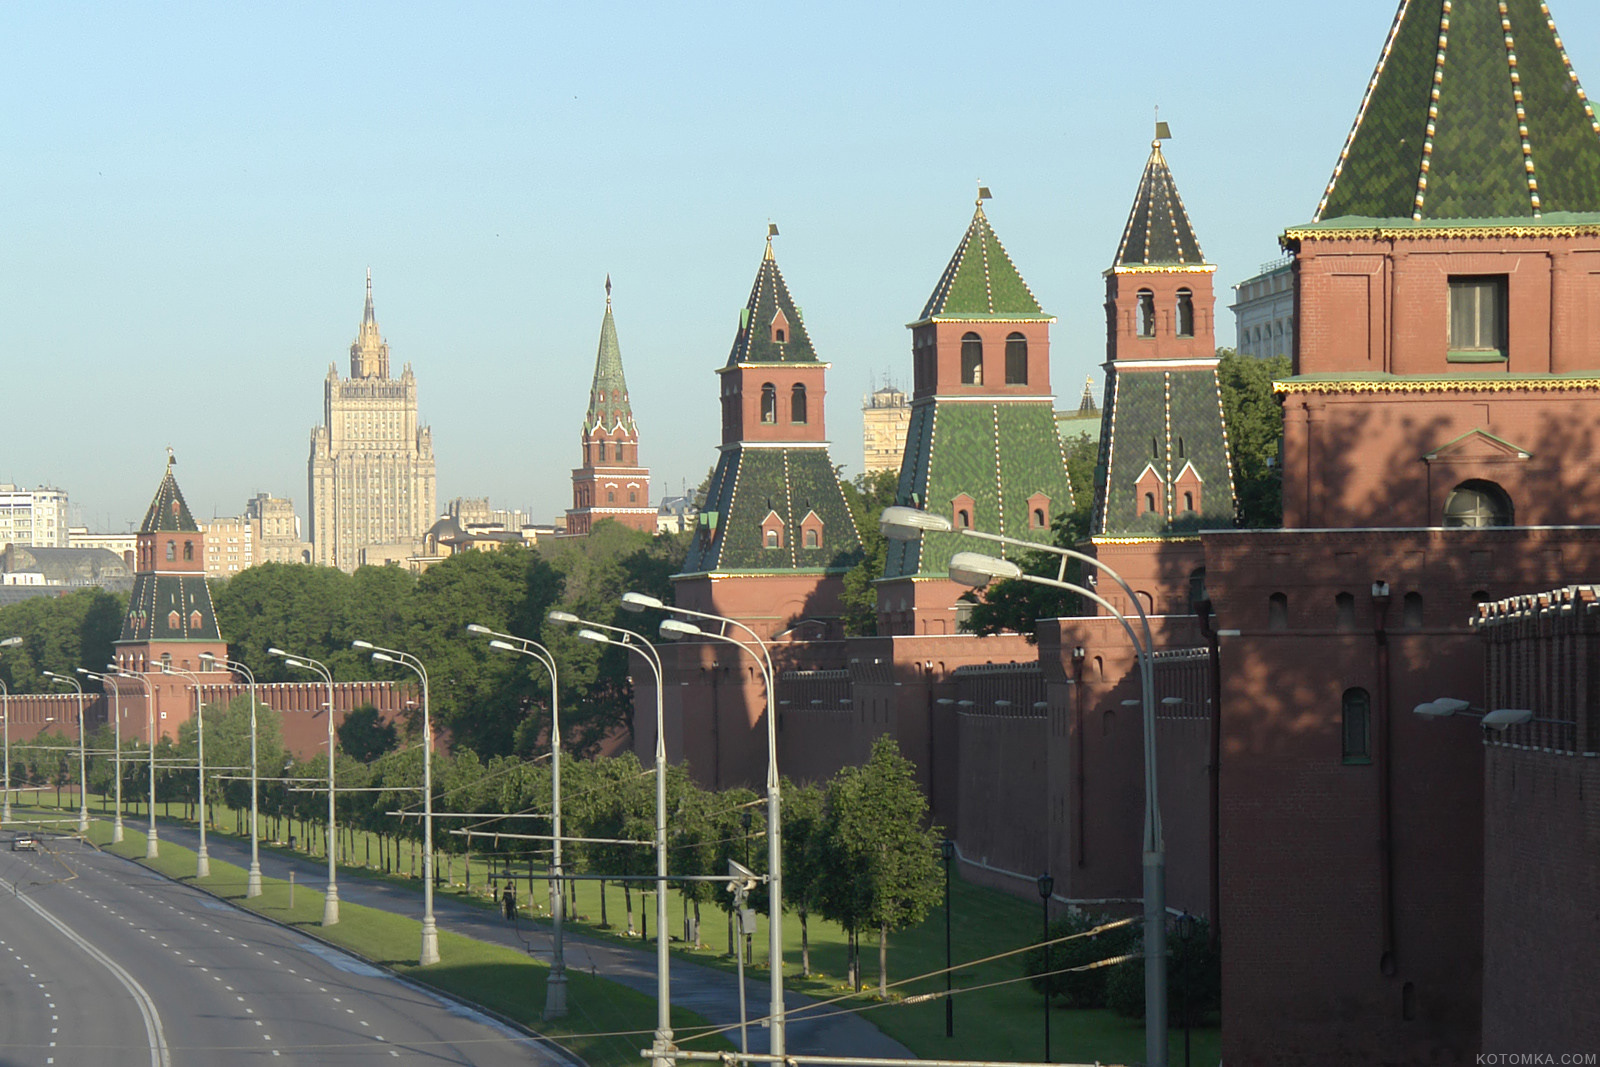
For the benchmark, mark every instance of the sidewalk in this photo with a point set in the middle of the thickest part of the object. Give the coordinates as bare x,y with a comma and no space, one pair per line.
712,993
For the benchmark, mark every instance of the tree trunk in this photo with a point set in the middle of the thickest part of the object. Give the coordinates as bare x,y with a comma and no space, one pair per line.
627,899
805,948
883,960
605,923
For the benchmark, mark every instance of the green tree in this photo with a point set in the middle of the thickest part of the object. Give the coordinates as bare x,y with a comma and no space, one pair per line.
1077,989
804,872
1255,434
867,494
364,736
879,844
1194,970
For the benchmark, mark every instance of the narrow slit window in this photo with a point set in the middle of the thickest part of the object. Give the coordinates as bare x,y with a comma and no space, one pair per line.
1356,725
1147,313
1185,313
971,360
1016,360
769,404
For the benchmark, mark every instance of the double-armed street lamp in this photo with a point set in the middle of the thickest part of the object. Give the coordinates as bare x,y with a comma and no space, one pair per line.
330,898
429,953
5,718
152,847
627,639
83,756
977,569
252,887
677,628
202,858
555,995
116,716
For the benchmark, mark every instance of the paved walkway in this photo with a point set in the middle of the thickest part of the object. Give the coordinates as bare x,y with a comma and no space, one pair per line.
711,993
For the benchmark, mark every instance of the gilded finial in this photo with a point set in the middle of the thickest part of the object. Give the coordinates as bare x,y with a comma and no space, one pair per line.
772,231
608,290
172,460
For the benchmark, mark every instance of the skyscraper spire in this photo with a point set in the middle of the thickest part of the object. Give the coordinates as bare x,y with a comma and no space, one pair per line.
369,315
369,355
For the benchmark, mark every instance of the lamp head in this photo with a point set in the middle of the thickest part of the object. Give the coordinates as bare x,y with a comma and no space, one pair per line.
474,628
1047,886
907,524
596,636
360,644
679,628
947,849
10,642
277,652
562,616
1170,701
639,601
1503,719
383,657
977,569
503,646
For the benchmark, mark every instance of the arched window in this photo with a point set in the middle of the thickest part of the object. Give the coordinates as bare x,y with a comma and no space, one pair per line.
619,452
599,451
1182,452
194,620
172,551
797,403
774,539
1344,612
1149,502
1016,360
1185,313
188,550
1197,586
1278,612
611,496
964,519
1478,504
1038,519
1188,502
971,359
1147,313
769,404
778,334
1356,716
813,539
1412,617
173,622
633,496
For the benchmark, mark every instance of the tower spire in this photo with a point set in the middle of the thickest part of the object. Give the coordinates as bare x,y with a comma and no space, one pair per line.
369,355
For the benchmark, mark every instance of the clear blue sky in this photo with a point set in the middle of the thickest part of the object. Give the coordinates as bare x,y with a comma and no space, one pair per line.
190,196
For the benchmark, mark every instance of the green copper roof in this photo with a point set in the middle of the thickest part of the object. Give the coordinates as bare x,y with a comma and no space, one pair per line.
998,455
1470,114
1168,424
608,395
168,513
981,282
1158,232
750,486
170,607
770,313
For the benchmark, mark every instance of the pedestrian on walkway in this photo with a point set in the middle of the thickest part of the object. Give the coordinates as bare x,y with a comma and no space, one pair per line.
508,900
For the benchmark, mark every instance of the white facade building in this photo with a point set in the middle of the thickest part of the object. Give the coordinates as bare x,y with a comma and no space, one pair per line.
1263,311
34,518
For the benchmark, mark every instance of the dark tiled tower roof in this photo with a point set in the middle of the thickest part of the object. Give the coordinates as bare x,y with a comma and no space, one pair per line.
981,283
608,395
171,601
1158,232
168,511
772,474
1474,112
770,302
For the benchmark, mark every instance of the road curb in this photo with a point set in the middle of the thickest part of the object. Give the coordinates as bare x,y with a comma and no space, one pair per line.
421,987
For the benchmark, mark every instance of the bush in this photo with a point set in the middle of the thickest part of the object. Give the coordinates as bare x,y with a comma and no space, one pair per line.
1194,962
1079,989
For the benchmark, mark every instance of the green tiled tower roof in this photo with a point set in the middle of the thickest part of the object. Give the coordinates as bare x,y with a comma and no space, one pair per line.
1158,232
168,512
981,282
769,298
749,485
608,395
1167,421
1000,455
1474,112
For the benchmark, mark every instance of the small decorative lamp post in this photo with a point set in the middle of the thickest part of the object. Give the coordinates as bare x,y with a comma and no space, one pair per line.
1047,886
947,851
1186,925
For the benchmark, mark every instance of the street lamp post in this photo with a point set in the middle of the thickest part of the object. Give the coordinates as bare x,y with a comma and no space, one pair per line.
116,716
252,886
977,569
1047,885
330,898
555,990
430,928
5,717
202,858
1185,962
636,643
83,755
152,846
641,601
947,852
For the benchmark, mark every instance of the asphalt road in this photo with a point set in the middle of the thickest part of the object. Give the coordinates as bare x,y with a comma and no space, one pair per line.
102,962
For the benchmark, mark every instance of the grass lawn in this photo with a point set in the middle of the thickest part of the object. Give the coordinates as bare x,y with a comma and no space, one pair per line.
997,1017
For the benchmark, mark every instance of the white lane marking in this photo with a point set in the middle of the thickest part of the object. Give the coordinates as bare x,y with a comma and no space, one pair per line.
155,1033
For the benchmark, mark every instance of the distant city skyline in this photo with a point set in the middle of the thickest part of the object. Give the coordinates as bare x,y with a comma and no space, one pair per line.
194,194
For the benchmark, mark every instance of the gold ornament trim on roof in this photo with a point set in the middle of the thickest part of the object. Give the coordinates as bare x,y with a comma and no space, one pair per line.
1451,385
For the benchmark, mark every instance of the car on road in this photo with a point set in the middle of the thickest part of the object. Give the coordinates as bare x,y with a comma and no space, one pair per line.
25,842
